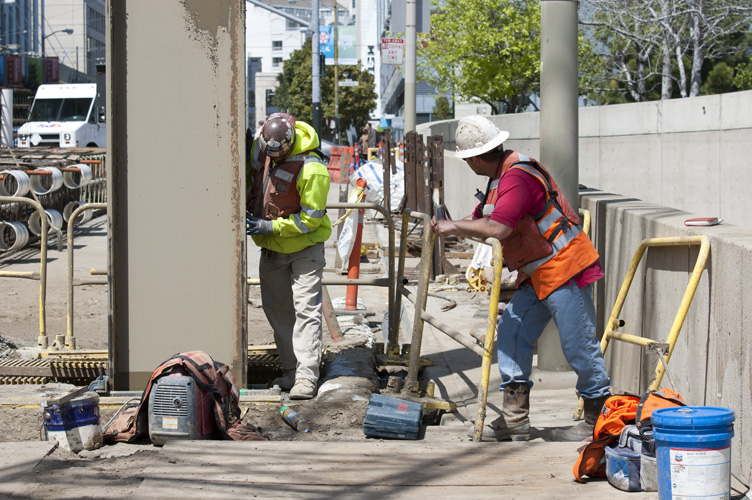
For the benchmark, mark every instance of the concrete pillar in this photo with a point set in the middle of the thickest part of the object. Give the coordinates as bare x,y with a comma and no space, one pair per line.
176,184
558,127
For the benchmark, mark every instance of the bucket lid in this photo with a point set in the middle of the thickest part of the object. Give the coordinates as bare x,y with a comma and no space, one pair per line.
692,416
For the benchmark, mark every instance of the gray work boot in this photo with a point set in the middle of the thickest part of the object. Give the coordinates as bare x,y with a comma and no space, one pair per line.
583,430
513,424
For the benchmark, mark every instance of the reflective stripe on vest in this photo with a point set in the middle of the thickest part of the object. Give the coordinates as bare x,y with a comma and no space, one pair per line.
548,222
557,226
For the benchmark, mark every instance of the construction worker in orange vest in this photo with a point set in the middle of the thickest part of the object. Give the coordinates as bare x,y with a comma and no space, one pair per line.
542,239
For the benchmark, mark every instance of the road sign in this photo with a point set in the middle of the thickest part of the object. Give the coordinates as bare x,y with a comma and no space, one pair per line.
392,51
348,83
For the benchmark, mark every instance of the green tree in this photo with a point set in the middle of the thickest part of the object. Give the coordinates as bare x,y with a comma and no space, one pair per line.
293,94
442,109
743,76
720,79
484,50
669,46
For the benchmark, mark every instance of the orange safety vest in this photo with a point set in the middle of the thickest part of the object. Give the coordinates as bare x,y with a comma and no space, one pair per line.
275,193
550,246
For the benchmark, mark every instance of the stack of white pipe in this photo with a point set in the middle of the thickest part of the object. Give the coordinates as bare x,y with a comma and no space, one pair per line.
83,217
54,218
15,183
19,233
37,184
85,177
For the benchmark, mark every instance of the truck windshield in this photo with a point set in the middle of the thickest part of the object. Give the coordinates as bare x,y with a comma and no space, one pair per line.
60,110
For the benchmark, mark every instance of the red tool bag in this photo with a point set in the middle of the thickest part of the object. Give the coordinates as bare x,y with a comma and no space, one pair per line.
214,378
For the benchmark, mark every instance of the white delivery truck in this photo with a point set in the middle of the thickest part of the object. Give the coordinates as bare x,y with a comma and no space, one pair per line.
66,116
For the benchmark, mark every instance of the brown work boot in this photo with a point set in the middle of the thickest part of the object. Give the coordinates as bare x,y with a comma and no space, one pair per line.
583,430
513,424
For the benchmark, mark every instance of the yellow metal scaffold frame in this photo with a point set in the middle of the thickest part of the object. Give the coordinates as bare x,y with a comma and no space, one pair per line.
614,323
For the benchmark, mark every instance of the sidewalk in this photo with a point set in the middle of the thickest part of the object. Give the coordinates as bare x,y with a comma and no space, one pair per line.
441,464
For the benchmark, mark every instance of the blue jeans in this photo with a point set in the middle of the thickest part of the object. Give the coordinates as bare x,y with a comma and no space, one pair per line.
573,312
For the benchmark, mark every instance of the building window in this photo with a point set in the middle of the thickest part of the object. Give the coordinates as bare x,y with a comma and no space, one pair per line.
95,54
95,20
276,62
303,14
276,45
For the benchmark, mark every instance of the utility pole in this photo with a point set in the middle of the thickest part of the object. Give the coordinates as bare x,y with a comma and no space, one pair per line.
41,22
559,128
336,75
316,74
411,14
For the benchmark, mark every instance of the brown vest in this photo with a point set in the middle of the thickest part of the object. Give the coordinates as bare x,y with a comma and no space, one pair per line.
275,193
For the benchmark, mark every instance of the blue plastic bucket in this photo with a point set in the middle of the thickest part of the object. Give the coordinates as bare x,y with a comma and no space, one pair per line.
693,451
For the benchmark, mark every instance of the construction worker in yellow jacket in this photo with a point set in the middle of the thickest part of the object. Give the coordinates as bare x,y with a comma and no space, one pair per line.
287,218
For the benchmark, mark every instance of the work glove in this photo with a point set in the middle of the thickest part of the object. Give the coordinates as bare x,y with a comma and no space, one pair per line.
254,225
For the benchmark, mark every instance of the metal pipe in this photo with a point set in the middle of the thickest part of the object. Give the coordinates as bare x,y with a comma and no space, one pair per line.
42,341
287,16
393,343
689,294
493,311
614,322
426,259
316,69
70,339
585,216
393,318
20,274
411,32
443,327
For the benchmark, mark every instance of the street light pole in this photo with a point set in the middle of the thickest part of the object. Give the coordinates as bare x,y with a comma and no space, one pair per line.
69,31
316,76
336,76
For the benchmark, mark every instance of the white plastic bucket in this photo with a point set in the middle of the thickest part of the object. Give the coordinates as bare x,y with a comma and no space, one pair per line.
54,218
44,184
74,180
83,217
15,183
15,231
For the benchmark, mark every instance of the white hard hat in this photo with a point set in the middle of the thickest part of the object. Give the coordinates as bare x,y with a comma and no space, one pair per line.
477,135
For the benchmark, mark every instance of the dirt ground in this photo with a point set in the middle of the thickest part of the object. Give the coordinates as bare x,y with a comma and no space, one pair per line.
335,413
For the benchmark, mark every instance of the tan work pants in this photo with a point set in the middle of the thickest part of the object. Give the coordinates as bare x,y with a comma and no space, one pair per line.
291,298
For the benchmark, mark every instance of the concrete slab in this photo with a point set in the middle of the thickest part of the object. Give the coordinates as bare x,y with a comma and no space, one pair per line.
392,469
18,459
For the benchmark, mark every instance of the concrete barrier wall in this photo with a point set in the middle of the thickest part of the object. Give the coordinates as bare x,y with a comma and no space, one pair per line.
694,154
711,363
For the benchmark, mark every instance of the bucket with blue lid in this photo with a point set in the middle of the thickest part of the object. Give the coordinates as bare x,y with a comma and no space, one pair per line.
693,451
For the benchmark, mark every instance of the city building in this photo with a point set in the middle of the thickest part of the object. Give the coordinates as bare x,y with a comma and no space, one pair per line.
271,38
73,31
